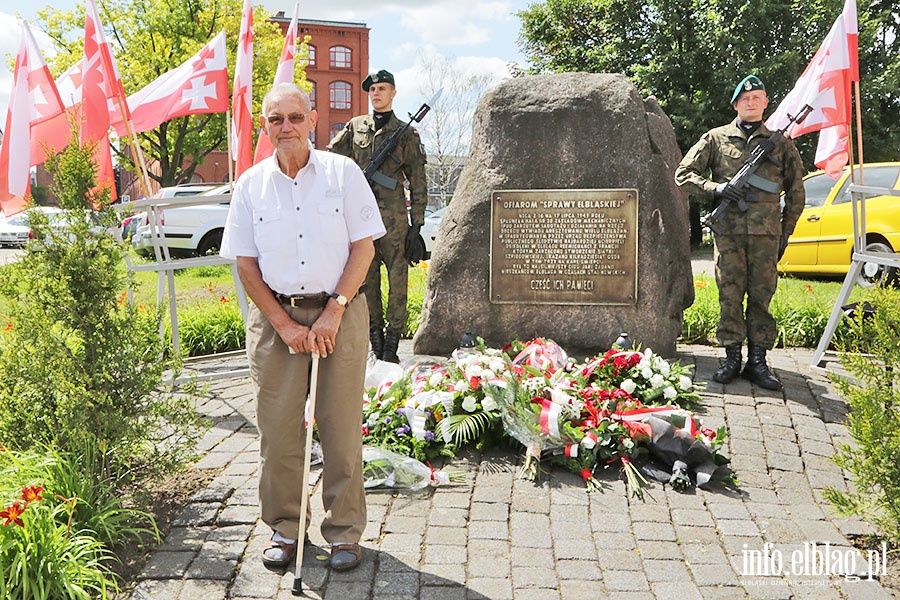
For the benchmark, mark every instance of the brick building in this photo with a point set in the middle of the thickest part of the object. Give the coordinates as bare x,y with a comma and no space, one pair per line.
338,62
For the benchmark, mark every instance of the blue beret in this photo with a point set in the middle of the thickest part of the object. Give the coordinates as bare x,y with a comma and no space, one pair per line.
748,84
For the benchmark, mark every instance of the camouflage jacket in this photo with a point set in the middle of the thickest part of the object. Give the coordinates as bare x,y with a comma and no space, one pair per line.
720,153
360,141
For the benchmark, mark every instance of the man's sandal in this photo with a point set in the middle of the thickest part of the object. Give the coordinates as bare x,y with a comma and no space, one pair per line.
279,555
345,556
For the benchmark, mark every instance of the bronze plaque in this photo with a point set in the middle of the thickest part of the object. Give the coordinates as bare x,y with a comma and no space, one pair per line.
564,246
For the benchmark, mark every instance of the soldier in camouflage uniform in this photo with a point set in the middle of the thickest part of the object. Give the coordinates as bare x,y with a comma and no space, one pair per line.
747,252
360,140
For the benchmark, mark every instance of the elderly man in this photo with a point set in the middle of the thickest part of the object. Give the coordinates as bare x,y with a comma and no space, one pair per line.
301,227
747,252
360,140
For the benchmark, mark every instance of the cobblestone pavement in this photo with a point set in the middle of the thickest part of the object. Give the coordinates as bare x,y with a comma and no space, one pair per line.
499,537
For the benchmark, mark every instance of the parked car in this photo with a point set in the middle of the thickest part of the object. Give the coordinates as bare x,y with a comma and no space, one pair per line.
822,242
194,230
430,228
15,231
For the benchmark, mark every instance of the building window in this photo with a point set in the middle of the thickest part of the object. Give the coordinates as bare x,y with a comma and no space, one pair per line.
339,95
340,57
312,55
312,94
334,130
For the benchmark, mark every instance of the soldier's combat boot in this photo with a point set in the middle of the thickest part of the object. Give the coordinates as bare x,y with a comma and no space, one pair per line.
376,338
758,371
391,342
732,365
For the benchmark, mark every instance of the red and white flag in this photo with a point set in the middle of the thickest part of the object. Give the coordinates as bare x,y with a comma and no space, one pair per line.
53,134
100,82
242,95
825,85
199,85
34,99
284,74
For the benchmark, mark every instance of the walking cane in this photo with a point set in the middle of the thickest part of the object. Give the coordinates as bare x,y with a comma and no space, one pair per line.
297,589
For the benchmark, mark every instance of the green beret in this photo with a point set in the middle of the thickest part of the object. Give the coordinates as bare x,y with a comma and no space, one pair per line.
381,76
749,83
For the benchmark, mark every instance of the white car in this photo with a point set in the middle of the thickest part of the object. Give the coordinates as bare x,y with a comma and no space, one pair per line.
430,228
191,230
14,230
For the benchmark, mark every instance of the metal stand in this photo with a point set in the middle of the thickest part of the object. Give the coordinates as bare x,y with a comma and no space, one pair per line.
165,268
860,256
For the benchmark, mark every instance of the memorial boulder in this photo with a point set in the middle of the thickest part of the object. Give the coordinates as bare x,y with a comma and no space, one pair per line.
566,222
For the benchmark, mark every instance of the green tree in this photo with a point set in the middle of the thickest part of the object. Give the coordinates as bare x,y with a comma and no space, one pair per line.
690,54
151,37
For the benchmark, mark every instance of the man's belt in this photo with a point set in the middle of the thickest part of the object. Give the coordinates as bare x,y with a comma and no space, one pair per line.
310,300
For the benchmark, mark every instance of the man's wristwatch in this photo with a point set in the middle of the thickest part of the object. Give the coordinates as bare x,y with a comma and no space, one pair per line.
341,300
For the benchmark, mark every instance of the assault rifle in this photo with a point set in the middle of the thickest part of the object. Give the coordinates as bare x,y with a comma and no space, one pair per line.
384,151
746,178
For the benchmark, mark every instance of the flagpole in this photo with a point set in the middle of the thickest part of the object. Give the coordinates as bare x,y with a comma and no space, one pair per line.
859,133
230,155
142,165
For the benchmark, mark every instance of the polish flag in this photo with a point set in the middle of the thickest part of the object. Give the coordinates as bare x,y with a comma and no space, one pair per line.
100,81
34,99
284,74
199,85
825,85
242,95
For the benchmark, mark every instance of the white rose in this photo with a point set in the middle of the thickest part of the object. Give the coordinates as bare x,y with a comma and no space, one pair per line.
646,372
488,404
629,386
657,380
461,386
487,375
663,367
685,383
435,379
474,371
497,365
469,404
669,392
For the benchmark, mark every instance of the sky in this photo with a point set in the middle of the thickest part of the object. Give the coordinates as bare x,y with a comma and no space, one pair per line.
478,35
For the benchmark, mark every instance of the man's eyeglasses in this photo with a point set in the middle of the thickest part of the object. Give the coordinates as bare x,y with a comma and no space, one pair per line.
294,118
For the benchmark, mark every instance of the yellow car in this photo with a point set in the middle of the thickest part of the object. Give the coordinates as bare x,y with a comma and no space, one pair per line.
822,242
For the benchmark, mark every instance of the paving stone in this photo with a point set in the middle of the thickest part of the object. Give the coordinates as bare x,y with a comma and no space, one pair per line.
167,565
154,589
620,560
541,577
660,550
574,589
625,581
484,511
666,570
490,587
672,590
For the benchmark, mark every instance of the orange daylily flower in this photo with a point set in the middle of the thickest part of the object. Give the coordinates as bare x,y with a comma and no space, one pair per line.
699,283
32,493
12,514
809,288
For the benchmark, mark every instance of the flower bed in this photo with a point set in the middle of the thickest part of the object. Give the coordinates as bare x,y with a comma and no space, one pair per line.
625,408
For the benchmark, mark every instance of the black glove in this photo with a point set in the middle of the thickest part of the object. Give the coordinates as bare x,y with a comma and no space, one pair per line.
729,192
414,250
783,244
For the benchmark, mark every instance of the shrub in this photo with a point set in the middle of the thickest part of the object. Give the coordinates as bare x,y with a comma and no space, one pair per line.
874,421
81,368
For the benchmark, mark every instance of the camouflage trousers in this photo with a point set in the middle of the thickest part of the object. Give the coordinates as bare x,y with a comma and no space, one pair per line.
746,266
390,251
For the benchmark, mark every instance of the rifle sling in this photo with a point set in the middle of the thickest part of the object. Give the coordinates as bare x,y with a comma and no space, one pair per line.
383,180
763,184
